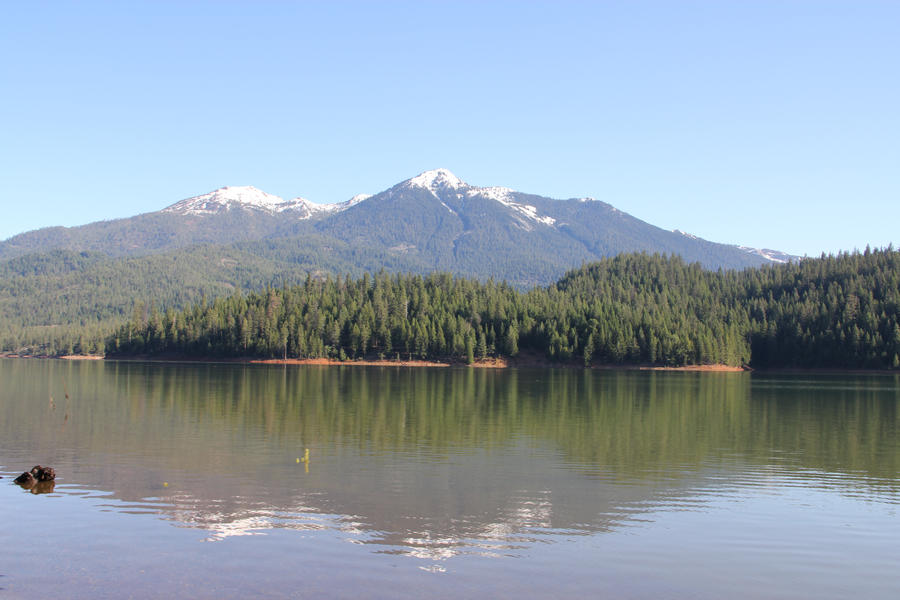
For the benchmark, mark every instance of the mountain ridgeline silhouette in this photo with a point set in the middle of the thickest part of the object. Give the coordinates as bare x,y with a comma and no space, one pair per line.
434,221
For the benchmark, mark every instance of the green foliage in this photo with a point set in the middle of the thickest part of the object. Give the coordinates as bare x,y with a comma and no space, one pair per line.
49,300
830,312
835,311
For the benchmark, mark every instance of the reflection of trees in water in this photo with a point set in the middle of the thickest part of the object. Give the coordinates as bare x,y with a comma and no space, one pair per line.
624,422
432,460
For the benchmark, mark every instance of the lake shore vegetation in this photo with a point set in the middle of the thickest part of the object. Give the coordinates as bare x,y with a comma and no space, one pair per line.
633,309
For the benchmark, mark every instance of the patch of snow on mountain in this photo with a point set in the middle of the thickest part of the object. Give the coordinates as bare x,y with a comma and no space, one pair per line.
311,208
357,199
531,212
774,256
324,209
341,206
771,255
504,196
500,194
300,205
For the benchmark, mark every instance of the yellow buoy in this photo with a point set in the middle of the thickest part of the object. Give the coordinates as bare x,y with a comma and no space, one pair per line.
165,484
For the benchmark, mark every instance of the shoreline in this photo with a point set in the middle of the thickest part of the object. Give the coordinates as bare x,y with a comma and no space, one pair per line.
490,363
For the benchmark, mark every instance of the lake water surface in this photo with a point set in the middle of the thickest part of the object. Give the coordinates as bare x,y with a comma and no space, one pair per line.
188,481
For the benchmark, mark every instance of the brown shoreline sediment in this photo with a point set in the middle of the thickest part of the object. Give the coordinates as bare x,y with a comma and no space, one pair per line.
334,362
489,363
46,356
526,361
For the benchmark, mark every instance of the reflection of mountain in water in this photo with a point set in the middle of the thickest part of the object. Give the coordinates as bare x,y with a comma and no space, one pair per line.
431,463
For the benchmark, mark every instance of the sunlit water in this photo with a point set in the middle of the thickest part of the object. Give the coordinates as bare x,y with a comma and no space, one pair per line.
189,481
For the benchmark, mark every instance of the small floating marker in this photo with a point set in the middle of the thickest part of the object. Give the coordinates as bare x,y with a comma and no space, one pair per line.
298,461
305,460
165,484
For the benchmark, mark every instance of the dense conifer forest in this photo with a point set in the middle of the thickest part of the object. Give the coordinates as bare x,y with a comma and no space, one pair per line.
831,312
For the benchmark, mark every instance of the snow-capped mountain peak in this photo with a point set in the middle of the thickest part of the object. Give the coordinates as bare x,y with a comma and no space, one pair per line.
442,180
437,179
250,198
226,198
246,194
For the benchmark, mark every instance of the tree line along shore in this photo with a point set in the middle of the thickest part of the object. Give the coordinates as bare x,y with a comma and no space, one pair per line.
839,312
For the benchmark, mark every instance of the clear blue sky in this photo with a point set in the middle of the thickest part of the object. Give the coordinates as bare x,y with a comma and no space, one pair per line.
771,124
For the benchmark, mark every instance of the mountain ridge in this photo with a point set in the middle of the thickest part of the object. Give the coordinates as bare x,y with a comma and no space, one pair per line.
439,182
228,198
434,220
56,281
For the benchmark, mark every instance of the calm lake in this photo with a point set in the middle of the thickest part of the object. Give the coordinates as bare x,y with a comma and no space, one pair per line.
189,481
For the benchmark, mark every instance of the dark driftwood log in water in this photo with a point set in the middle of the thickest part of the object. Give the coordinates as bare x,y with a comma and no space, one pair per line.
43,473
36,474
25,478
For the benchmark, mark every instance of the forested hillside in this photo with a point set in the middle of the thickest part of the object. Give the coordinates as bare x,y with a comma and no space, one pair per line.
64,301
837,311
61,288
841,311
